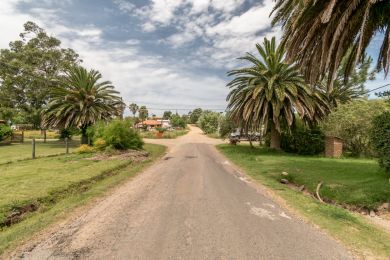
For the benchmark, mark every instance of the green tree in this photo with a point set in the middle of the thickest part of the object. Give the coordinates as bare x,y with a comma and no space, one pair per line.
269,92
167,114
194,115
352,123
319,34
81,100
208,122
143,113
380,138
29,69
226,126
178,121
133,108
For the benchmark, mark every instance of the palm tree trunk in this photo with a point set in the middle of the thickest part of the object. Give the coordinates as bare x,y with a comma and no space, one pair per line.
275,138
84,136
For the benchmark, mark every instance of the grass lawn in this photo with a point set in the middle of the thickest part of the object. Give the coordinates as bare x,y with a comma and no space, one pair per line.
15,152
360,183
57,185
167,134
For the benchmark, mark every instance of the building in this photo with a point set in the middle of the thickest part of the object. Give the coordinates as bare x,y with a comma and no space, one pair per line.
149,124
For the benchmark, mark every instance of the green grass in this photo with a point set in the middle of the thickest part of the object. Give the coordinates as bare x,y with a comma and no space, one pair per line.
57,185
347,181
214,135
22,151
167,134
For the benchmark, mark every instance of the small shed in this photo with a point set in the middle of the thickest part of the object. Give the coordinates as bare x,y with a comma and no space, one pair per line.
333,147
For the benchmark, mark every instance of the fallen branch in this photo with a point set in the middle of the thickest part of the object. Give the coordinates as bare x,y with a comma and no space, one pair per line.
318,191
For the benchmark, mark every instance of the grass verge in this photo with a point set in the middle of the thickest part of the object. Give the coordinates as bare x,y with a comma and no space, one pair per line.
23,151
354,231
58,202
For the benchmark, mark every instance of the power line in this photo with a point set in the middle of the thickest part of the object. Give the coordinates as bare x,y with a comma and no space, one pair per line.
386,85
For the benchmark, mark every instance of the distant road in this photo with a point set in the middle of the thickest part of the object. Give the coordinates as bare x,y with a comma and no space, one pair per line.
191,205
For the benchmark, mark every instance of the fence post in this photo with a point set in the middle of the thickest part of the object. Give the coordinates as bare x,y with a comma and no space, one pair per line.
66,145
33,148
22,136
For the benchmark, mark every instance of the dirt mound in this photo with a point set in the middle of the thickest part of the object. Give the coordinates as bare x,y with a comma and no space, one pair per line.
133,155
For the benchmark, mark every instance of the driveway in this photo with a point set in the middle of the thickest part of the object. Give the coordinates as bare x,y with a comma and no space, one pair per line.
192,204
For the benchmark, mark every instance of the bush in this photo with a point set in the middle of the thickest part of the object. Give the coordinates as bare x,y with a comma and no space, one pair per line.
99,144
380,139
68,133
208,122
84,148
5,132
178,121
118,134
303,140
226,126
160,129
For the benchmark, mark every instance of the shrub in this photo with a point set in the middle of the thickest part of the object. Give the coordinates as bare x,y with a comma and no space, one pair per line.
160,129
68,133
5,132
178,121
208,122
99,144
380,138
226,126
84,148
118,134
303,140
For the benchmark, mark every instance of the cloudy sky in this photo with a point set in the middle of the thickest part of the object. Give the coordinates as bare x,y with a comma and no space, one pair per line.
165,54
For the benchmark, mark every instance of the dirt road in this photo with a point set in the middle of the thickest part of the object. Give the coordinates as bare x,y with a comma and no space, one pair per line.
191,205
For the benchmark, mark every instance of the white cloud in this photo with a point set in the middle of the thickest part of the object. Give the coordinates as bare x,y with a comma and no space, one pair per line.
254,20
139,77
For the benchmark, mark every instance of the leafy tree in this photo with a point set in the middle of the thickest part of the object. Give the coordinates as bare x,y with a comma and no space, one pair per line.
81,100
29,69
185,118
380,138
194,115
143,113
269,92
352,123
208,122
167,114
118,134
384,94
318,34
178,121
226,126
133,108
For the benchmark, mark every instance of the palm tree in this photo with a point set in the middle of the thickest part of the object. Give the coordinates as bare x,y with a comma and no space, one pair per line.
133,108
81,100
269,92
143,113
318,34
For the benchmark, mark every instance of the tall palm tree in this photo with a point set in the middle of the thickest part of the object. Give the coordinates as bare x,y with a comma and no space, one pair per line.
81,100
318,34
269,92
133,108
